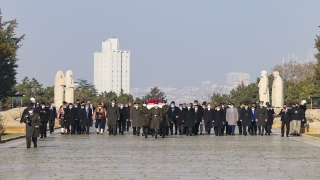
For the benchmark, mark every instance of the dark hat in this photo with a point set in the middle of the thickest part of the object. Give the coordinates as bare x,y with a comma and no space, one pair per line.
144,102
164,101
260,102
246,104
204,103
156,102
43,102
135,103
267,103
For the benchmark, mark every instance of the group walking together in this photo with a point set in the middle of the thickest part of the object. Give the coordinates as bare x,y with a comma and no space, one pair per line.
185,119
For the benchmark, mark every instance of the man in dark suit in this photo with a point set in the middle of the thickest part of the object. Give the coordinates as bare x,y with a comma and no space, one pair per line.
52,116
77,125
124,116
199,120
72,117
285,114
85,119
44,114
173,116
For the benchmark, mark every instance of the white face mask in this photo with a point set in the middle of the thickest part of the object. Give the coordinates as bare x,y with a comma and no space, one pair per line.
30,112
42,107
144,105
189,107
180,108
75,106
195,108
136,107
70,107
231,107
53,105
172,106
121,107
209,108
228,105
222,106
218,109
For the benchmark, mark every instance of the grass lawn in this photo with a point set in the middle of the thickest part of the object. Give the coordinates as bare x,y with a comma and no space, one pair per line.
10,135
315,135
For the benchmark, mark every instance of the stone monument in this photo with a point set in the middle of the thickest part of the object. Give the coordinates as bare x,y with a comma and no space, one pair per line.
264,88
59,83
69,83
277,91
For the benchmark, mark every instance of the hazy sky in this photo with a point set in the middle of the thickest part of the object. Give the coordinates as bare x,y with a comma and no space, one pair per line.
172,43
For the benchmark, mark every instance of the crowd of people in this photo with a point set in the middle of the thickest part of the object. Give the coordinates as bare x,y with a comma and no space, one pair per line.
185,119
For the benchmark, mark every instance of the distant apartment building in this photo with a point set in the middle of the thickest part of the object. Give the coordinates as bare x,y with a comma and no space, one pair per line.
112,68
234,79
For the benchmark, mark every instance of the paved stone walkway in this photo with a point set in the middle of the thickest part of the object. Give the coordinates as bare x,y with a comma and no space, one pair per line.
175,157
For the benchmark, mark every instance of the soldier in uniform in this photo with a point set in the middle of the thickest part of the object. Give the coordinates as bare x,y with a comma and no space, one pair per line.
156,118
262,117
135,116
113,117
32,121
165,121
145,119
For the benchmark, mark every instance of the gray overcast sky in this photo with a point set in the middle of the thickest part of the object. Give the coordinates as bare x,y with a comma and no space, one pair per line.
171,42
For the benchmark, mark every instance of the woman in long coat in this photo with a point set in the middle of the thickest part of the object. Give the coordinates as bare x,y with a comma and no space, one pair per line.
208,117
135,116
32,121
62,118
156,119
188,119
245,118
218,120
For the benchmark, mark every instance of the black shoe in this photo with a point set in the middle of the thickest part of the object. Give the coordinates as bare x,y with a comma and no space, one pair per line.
138,134
261,134
99,133
122,133
282,135
62,133
298,134
41,137
28,146
35,146
287,135
45,136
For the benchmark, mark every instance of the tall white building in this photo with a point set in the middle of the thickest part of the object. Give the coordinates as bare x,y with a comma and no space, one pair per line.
112,68
236,78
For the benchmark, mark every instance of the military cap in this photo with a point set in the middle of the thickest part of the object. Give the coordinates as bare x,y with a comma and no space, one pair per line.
144,102
113,101
164,101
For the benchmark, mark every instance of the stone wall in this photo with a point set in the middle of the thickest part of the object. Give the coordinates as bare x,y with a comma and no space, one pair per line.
313,114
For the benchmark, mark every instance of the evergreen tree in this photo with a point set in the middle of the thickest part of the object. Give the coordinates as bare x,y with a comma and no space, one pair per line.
317,66
9,44
155,93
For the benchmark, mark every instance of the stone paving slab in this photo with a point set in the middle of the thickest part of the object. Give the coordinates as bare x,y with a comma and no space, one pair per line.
175,157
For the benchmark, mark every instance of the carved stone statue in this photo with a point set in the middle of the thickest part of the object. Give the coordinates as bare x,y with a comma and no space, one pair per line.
264,88
277,90
59,82
69,92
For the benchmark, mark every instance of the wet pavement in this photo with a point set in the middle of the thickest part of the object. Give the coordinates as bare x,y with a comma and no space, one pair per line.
174,157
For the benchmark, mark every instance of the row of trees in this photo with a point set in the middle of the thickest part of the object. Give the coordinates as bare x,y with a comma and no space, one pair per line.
301,80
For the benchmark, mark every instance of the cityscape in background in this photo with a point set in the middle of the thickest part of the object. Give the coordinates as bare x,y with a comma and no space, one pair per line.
112,73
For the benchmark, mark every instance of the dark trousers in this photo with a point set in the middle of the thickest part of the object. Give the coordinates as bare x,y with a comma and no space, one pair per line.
225,127
181,129
208,126
175,127
51,125
287,124
128,125
136,130
43,129
77,126
34,140
189,131
253,127
101,123
268,129
239,123
122,126
196,128
145,130
70,128
244,128
217,130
